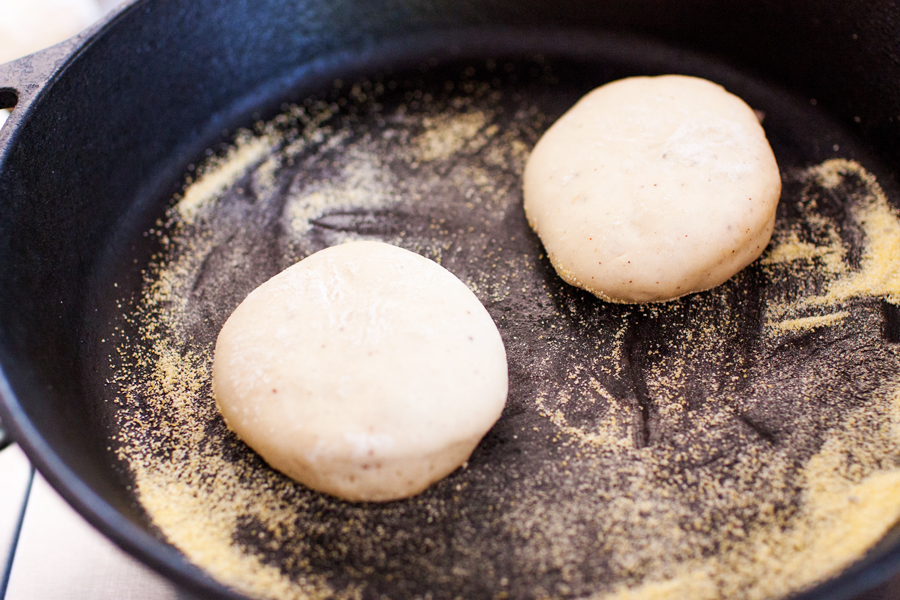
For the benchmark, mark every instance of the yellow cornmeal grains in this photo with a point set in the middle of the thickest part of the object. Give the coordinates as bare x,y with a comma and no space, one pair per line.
810,322
740,443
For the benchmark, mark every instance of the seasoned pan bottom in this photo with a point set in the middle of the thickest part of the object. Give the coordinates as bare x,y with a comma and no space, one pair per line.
737,443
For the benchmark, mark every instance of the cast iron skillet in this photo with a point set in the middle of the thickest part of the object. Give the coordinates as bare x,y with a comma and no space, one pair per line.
104,125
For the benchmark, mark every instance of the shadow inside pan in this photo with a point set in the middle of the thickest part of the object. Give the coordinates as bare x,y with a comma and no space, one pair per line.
741,438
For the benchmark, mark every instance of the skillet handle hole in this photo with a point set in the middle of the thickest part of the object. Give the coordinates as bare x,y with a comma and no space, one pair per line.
8,100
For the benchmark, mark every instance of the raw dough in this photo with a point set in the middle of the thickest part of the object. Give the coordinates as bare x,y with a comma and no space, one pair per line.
365,371
650,188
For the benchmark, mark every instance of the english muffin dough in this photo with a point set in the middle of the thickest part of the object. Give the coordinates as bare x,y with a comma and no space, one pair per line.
650,188
365,371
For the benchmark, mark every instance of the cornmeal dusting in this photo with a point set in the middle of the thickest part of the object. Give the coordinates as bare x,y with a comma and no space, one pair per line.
219,175
737,443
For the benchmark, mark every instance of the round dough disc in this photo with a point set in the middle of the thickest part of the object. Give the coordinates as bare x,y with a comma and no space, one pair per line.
651,188
365,371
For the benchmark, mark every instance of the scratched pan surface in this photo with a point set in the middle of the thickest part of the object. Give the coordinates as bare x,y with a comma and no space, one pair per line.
624,423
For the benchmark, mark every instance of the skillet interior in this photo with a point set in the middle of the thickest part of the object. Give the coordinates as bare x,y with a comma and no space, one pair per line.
73,233
707,399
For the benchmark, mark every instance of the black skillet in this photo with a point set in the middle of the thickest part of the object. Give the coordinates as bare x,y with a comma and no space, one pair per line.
104,126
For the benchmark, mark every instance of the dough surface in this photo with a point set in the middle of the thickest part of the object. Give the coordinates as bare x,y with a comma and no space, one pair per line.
364,371
651,188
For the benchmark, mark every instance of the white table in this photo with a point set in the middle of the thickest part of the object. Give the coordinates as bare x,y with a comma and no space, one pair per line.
49,552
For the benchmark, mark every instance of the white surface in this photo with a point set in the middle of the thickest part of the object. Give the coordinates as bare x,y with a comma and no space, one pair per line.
27,26
61,557
15,474
4,114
